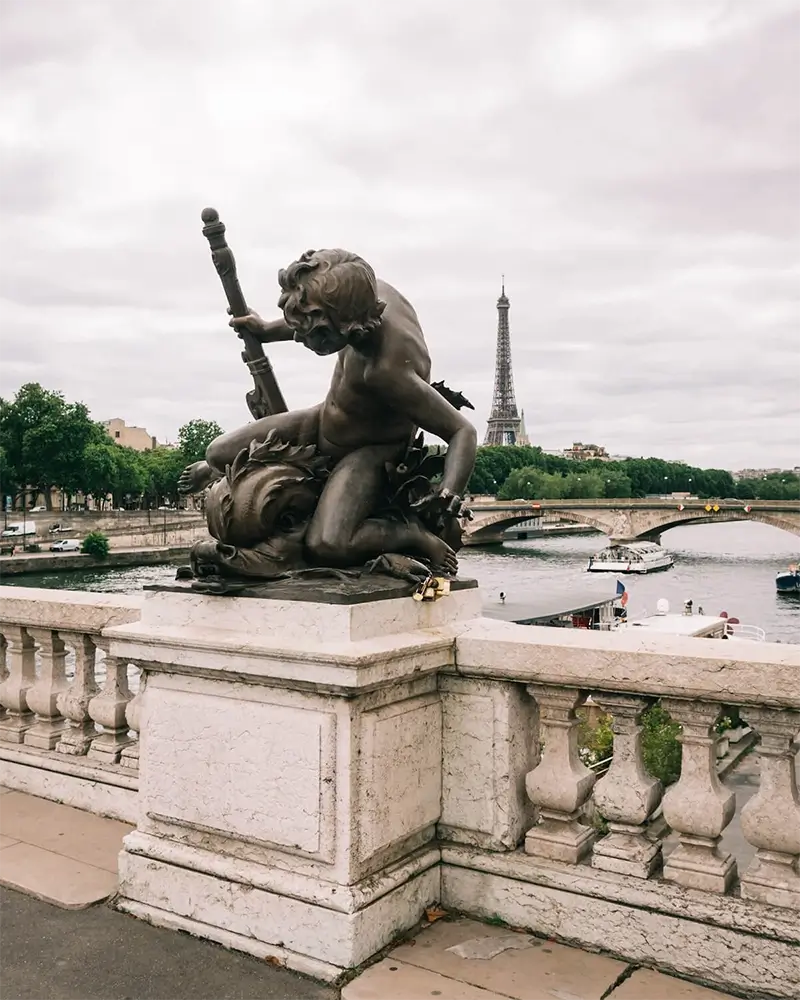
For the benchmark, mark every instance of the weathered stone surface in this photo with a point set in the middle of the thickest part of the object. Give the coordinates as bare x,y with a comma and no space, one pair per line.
67,610
514,965
717,670
488,748
693,936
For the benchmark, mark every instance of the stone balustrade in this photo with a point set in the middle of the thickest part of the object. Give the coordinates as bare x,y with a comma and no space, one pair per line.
678,866
456,735
68,718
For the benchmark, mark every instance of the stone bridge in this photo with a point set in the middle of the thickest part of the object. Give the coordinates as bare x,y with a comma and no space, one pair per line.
628,520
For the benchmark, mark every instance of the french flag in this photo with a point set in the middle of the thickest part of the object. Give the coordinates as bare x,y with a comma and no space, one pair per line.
622,593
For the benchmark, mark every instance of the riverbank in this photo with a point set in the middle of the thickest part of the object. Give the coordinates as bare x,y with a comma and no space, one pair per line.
48,562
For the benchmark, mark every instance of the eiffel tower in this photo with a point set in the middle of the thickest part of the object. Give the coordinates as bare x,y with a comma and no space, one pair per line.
506,424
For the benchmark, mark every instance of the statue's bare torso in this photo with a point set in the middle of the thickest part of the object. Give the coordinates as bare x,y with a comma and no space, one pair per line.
356,411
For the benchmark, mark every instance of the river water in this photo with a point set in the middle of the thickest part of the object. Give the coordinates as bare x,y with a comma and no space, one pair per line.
728,567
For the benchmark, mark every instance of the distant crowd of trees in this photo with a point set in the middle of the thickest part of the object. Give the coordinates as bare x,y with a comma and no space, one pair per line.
47,442
527,473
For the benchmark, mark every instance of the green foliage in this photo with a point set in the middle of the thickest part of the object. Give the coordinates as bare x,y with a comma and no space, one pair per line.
595,743
195,437
526,473
660,747
47,442
95,544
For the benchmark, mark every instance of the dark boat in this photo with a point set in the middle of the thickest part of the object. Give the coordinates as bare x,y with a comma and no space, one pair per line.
788,582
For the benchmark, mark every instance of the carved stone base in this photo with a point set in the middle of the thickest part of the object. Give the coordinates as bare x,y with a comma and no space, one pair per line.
560,839
45,735
129,757
76,740
693,865
626,852
773,878
14,726
108,747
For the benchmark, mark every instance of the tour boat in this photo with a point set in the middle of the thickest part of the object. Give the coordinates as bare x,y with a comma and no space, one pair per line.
579,607
630,557
788,582
700,625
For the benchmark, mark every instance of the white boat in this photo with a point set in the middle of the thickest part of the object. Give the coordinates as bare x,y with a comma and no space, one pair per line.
699,625
630,557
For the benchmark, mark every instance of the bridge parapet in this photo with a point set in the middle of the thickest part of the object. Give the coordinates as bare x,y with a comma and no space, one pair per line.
624,872
630,520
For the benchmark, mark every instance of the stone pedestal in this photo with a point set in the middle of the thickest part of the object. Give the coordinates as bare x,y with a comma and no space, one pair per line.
290,769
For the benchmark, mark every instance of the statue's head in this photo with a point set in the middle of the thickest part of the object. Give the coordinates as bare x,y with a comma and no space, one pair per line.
330,299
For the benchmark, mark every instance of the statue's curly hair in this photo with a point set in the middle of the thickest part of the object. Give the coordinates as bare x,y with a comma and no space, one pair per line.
334,287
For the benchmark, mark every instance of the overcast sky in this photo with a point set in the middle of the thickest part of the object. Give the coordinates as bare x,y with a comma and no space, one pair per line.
631,165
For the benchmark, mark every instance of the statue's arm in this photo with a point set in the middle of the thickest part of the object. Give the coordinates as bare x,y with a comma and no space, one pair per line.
267,331
419,401
275,331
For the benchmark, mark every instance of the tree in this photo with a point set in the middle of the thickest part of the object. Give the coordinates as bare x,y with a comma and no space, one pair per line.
162,467
195,437
44,438
617,484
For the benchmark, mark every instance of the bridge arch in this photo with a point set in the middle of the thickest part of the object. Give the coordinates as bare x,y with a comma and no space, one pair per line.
645,523
679,519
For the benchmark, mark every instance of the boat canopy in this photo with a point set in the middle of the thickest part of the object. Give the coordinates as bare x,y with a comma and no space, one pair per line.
533,607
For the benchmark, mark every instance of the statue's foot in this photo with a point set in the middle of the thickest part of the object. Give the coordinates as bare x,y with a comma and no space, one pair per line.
196,477
441,557
401,566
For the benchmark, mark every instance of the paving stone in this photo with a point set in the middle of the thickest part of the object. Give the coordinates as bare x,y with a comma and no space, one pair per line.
645,984
53,877
62,829
392,980
7,841
540,970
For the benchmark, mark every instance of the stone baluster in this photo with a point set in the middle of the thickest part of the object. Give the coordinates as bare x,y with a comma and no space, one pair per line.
46,731
130,755
771,819
627,794
21,666
74,702
107,709
560,783
697,806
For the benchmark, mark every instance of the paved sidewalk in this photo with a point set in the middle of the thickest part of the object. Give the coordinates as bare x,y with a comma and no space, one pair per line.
49,953
466,960
59,946
59,854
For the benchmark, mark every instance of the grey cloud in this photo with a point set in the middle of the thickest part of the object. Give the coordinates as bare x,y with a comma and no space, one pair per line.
630,170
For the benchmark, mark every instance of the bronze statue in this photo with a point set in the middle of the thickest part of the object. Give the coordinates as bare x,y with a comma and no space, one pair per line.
348,481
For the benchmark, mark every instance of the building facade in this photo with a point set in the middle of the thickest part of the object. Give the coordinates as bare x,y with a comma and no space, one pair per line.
129,437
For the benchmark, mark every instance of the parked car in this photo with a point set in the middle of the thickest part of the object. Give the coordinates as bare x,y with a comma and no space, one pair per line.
66,545
37,510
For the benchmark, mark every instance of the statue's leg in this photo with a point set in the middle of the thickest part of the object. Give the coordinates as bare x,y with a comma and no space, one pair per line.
294,427
342,533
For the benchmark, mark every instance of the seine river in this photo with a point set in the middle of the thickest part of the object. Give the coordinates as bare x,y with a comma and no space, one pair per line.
728,567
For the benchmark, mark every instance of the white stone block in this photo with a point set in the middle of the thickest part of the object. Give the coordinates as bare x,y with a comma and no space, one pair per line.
307,621
260,772
399,779
488,748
